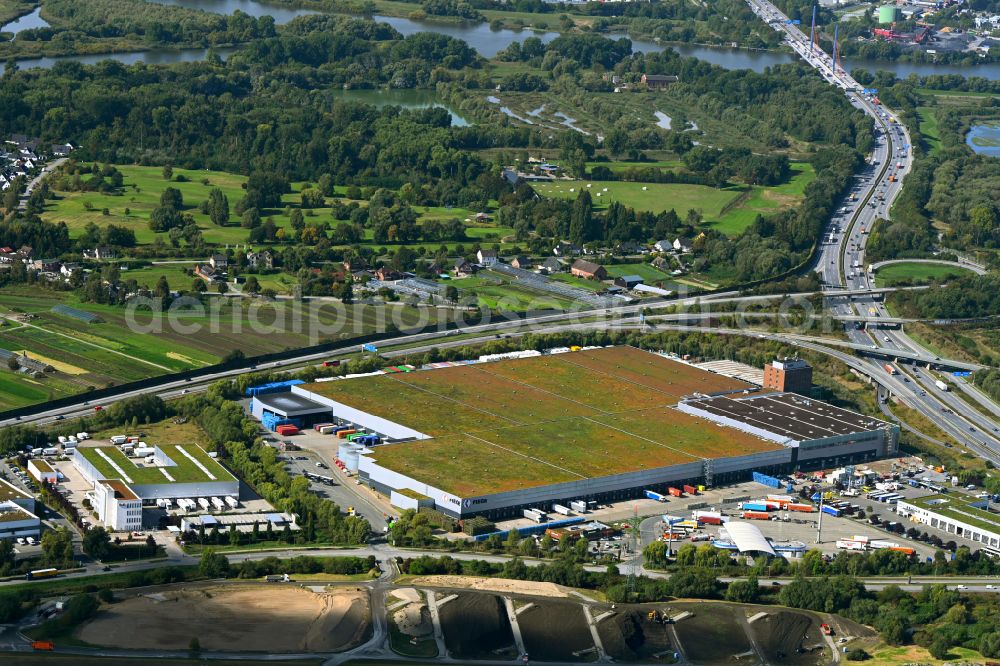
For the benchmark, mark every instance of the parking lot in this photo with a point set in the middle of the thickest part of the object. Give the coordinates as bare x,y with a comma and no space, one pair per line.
338,487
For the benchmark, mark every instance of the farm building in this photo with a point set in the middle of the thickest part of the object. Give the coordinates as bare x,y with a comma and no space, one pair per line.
589,270
172,472
602,424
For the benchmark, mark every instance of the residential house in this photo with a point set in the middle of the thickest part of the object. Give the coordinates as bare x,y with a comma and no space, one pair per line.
661,263
683,245
219,261
657,81
631,247
628,281
100,253
61,149
551,265
355,265
589,270
481,217
486,257
208,273
663,246
384,274
361,275
47,265
464,268
564,249
67,270
521,261
259,260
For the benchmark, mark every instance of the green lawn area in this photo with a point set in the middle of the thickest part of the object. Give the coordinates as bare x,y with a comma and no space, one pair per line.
766,200
729,210
508,297
654,197
910,272
648,273
144,185
618,166
929,128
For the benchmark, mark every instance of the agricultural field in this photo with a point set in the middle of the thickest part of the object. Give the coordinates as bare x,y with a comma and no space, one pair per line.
537,421
121,346
143,186
915,272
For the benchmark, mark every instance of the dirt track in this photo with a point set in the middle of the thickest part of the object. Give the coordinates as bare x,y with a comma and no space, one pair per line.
247,618
501,585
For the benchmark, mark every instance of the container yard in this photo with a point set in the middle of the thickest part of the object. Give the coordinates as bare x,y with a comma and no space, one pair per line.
605,424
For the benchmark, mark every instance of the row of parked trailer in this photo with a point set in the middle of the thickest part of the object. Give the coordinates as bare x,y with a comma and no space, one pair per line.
886,496
202,503
349,432
673,492
863,543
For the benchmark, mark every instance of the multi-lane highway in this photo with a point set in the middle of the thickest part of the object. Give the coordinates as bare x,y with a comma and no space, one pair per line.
842,264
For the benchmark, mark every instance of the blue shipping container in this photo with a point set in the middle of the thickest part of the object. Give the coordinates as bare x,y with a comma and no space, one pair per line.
831,510
659,497
755,506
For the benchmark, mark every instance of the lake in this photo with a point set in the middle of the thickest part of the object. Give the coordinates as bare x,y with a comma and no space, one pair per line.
408,99
26,22
984,139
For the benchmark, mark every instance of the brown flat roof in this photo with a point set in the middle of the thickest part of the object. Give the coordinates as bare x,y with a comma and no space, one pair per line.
789,414
121,490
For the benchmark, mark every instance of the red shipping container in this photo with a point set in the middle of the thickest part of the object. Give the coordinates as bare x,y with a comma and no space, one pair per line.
755,515
690,490
709,520
675,492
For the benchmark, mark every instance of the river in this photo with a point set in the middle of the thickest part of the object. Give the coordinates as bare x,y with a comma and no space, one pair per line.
488,42
26,22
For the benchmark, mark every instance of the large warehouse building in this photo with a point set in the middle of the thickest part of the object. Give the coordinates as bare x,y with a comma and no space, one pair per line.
122,484
602,424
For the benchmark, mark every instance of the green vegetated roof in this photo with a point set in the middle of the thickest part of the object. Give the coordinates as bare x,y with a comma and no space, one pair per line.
183,470
957,506
412,494
9,492
515,424
42,466
11,515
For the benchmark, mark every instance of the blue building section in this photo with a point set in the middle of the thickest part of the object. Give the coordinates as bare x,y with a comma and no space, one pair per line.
766,480
273,387
271,421
532,529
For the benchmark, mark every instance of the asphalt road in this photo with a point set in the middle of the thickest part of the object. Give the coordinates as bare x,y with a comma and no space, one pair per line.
842,262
